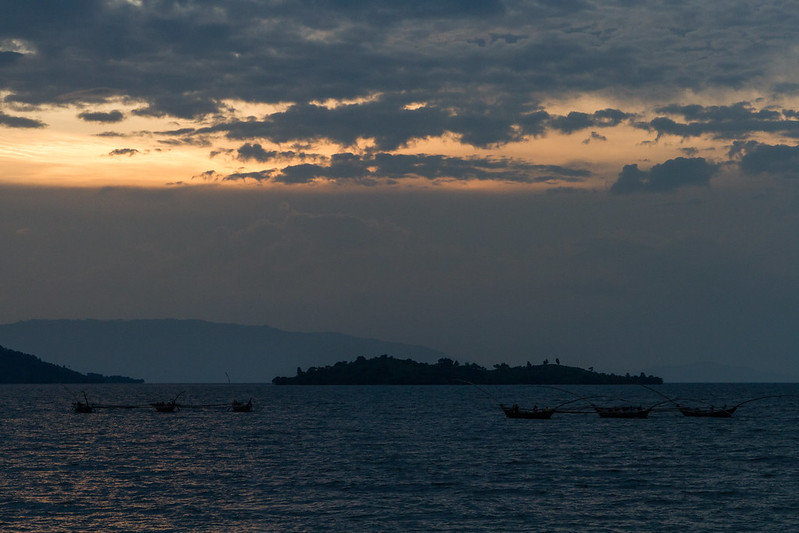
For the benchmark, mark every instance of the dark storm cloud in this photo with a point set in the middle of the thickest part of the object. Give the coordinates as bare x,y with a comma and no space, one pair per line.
111,116
664,177
382,165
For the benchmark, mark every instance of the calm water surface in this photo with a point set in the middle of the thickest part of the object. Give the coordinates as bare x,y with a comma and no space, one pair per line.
394,458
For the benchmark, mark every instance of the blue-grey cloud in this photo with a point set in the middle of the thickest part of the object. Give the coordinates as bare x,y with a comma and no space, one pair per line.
256,152
758,158
100,116
576,121
664,177
8,57
12,121
387,166
725,122
185,59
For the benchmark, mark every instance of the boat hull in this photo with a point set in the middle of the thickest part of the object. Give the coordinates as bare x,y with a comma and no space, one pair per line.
240,407
530,414
80,407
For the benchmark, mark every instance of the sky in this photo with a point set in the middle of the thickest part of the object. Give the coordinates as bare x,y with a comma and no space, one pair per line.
611,183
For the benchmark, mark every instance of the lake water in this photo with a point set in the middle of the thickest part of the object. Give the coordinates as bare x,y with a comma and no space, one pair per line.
436,458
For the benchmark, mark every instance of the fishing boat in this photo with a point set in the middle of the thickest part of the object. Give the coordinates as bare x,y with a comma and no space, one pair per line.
709,411
241,407
82,406
167,407
622,412
514,411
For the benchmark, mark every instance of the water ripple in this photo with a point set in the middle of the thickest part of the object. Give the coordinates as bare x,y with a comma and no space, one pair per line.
391,459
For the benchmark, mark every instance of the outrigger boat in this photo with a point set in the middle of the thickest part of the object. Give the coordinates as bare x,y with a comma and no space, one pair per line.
82,406
514,411
710,411
167,407
241,407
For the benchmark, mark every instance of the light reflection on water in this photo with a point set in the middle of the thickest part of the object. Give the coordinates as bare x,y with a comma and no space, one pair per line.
393,458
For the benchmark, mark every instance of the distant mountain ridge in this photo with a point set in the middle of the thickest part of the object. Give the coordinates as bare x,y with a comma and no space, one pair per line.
191,351
18,367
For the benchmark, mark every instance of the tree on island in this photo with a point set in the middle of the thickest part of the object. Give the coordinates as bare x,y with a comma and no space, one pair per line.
387,370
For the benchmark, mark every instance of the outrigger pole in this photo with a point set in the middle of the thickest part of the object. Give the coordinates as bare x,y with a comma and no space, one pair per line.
481,389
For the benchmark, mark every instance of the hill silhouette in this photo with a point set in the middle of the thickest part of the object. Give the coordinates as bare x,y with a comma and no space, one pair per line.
386,370
18,367
191,351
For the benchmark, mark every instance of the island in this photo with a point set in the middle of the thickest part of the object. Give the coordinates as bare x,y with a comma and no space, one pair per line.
387,370
18,367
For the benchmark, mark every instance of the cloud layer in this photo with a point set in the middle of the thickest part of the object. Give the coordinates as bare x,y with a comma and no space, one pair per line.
484,73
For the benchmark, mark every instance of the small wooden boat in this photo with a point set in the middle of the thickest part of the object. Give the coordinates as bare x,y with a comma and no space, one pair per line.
82,406
709,411
167,407
241,407
723,412
164,407
622,412
514,411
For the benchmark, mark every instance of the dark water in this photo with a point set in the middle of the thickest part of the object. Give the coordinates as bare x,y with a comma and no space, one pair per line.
394,458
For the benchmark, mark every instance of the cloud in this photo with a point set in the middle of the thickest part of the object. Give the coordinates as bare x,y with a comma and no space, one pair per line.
130,152
758,158
366,168
111,116
391,125
387,123
453,55
11,121
387,75
255,152
8,57
595,137
576,121
740,120
664,177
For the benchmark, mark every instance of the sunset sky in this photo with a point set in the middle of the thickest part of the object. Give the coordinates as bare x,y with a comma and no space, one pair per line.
612,183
